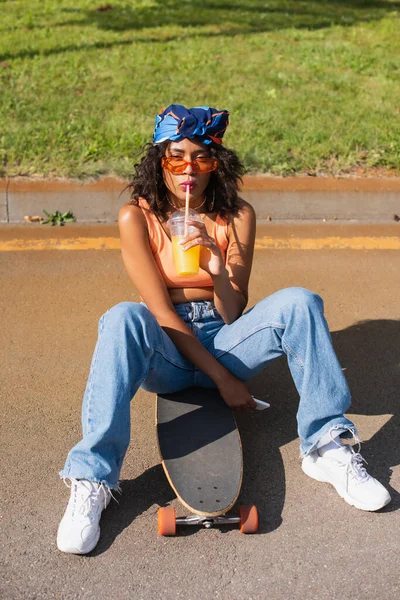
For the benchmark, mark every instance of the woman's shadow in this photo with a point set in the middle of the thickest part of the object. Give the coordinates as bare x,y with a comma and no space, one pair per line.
369,353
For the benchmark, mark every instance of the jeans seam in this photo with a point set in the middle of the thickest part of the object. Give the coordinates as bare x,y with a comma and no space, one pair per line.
294,355
147,358
91,375
254,331
171,361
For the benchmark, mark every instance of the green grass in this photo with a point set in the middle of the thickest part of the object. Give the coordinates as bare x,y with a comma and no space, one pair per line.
311,86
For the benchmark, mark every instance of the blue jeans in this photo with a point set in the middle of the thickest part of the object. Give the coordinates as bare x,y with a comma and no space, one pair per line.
133,351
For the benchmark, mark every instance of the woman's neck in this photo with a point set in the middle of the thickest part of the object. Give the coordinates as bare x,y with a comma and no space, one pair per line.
173,202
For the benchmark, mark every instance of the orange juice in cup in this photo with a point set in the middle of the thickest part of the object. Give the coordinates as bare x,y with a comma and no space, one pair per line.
186,261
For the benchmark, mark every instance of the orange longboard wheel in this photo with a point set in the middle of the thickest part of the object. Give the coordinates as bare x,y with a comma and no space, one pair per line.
248,519
167,521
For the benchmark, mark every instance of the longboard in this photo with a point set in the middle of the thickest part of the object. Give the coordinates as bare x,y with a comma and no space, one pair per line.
201,453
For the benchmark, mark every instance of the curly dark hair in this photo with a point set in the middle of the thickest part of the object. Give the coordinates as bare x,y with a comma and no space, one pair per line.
148,181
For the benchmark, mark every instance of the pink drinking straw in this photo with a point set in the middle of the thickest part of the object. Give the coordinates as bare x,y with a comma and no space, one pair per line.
187,209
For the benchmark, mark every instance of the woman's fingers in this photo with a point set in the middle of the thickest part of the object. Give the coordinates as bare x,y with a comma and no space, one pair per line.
201,230
199,241
198,238
189,237
244,407
196,224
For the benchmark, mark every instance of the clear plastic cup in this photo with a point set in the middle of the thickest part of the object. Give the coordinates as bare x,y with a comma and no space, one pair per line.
186,261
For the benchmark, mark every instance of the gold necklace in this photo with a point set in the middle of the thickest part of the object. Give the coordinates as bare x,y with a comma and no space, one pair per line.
182,207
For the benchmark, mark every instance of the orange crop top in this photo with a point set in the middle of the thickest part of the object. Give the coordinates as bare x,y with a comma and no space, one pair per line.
161,247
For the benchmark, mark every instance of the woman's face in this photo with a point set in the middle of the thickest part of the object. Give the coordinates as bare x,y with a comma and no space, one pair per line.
188,150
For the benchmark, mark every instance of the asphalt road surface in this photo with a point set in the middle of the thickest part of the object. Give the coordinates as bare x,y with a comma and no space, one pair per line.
311,544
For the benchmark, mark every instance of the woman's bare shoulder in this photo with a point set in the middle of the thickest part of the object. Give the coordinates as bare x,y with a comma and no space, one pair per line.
244,217
246,210
131,214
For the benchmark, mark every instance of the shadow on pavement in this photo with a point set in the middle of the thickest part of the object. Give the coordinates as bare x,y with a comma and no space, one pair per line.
369,352
151,487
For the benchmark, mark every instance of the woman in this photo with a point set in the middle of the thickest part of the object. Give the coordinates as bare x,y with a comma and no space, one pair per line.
192,330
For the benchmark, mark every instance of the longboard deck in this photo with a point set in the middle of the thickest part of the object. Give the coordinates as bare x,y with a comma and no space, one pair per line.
200,448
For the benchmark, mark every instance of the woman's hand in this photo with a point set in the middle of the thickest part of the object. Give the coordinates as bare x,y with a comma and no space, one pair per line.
210,255
236,395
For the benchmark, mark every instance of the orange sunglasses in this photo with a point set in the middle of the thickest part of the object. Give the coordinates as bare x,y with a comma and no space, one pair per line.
178,165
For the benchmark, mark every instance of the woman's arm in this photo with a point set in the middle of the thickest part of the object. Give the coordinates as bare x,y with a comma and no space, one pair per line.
143,271
231,286
231,279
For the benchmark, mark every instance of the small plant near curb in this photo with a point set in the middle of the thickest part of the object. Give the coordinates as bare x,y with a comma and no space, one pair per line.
59,218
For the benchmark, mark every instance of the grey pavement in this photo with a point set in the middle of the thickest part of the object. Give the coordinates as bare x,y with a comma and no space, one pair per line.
311,544
305,198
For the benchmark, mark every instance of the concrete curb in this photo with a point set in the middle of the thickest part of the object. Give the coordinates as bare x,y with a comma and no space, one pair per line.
292,198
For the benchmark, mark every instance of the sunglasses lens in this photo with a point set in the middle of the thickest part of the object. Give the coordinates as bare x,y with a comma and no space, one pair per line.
205,165
175,165
178,165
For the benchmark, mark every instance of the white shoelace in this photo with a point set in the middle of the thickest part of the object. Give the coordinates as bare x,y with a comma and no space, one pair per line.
92,498
357,467
356,461
93,492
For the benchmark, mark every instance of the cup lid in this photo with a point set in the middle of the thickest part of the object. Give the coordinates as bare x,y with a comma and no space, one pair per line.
179,216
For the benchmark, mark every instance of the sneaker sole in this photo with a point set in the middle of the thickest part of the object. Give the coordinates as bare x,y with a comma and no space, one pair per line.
84,550
314,472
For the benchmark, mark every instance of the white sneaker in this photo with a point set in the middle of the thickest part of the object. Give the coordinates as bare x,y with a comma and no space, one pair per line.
343,468
79,529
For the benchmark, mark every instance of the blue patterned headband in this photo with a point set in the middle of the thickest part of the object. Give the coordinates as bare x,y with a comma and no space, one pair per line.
201,122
